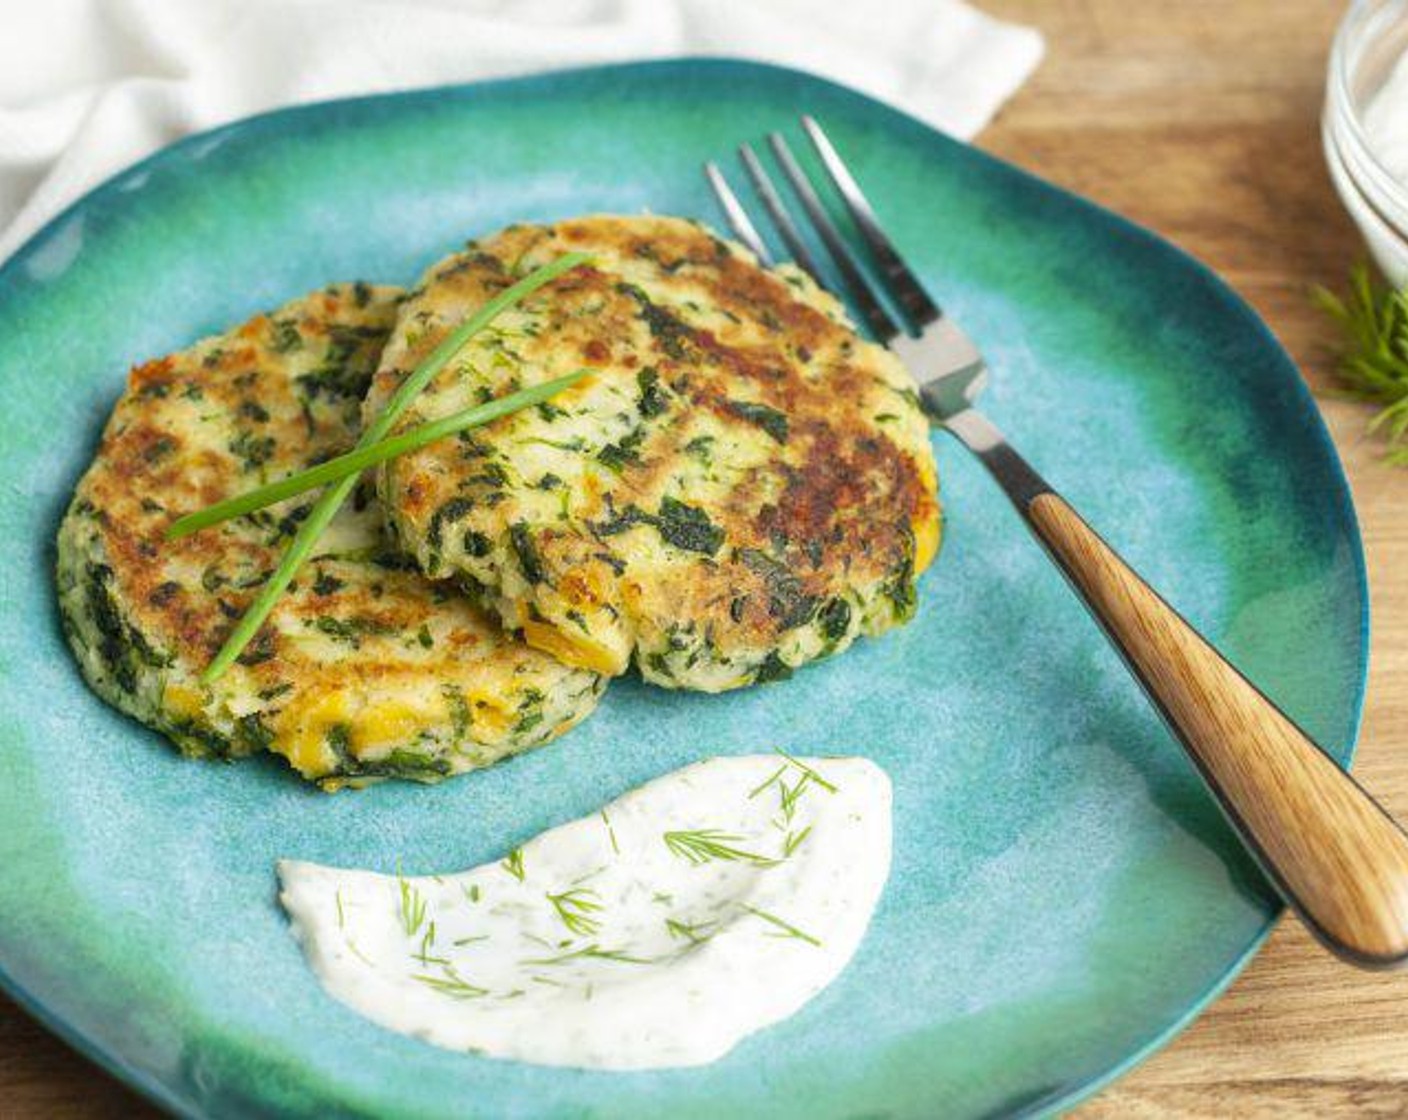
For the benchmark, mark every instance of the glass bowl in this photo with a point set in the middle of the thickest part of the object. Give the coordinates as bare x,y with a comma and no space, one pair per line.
1371,38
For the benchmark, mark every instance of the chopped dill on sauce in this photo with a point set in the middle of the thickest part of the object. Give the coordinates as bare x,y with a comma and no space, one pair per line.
591,952
807,770
705,844
452,984
794,840
788,930
575,909
690,931
412,907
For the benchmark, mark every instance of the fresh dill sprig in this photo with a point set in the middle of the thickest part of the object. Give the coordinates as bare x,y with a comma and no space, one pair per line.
412,907
592,952
452,984
611,832
576,908
688,930
360,459
705,844
1373,358
807,770
341,918
794,840
427,942
514,864
361,956
789,795
772,778
331,499
788,930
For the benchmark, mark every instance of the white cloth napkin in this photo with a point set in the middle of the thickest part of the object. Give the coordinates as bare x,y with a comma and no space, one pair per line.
88,86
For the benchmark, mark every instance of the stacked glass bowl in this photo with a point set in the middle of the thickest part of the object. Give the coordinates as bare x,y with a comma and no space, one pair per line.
1371,40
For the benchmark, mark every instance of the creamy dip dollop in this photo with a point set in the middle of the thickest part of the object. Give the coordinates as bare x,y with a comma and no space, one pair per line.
658,932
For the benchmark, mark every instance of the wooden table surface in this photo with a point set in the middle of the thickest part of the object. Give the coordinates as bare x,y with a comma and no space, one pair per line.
1199,119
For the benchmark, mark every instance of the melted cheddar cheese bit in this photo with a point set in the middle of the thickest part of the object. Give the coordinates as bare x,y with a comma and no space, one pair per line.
182,701
575,650
387,724
926,542
304,728
489,712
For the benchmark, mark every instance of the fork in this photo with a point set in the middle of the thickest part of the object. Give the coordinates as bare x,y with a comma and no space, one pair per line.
1333,853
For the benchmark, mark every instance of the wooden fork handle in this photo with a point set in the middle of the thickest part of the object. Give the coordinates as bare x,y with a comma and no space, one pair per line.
1335,855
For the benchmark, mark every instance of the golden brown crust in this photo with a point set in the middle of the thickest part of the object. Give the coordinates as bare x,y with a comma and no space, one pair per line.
742,484
365,668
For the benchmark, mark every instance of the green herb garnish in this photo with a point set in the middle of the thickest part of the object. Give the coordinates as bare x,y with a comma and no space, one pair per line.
688,930
593,952
451,984
427,942
705,844
361,956
355,462
331,499
794,840
514,864
1373,361
788,930
771,779
807,770
412,907
576,908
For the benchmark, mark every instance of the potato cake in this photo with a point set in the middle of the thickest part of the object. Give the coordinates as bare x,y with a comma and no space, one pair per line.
365,669
743,484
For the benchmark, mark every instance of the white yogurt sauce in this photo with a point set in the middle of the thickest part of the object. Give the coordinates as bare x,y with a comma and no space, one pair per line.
1386,122
683,917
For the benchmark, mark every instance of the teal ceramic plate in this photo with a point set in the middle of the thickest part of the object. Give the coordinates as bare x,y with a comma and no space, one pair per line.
1064,896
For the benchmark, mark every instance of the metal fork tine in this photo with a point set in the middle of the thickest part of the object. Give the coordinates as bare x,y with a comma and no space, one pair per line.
903,284
762,182
738,219
879,320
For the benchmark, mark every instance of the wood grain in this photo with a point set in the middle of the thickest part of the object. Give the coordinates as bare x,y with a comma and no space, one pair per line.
1199,119
1337,856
